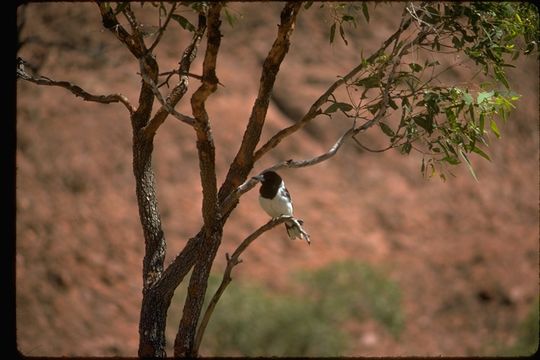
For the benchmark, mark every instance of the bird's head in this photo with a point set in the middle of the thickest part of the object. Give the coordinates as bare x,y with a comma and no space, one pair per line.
269,177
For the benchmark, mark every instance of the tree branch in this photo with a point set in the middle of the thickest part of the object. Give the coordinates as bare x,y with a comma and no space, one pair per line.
166,107
315,108
243,161
232,261
161,30
212,230
75,89
110,22
136,34
178,92
250,183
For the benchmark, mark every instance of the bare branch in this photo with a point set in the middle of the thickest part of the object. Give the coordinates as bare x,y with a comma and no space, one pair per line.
369,149
175,72
315,109
232,261
243,161
184,344
75,89
180,89
111,22
251,182
153,124
161,30
136,34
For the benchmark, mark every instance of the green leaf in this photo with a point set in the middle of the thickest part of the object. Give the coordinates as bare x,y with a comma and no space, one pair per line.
415,67
121,7
392,104
332,32
481,153
338,106
342,34
405,104
467,98
451,160
406,148
374,108
372,81
495,128
468,163
365,11
386,129
426,122
183,22
483,96
499,75
231,19
481,122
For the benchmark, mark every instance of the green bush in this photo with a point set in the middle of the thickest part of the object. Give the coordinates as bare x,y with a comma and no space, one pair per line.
527,342
250,320
355,290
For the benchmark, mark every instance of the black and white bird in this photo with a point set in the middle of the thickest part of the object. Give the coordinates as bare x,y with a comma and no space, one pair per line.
276,201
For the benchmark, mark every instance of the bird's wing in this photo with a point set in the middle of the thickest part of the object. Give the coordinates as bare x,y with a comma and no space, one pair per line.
285,193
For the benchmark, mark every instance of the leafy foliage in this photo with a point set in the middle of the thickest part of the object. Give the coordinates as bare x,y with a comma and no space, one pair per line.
352,290
446,122
252,321
527,342
342,15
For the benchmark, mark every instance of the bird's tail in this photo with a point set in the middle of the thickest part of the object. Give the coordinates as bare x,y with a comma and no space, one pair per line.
295,230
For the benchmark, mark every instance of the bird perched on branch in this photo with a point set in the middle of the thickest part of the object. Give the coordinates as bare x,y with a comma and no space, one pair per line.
276,201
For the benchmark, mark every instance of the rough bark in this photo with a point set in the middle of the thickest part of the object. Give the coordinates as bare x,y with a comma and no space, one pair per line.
213,228
244,160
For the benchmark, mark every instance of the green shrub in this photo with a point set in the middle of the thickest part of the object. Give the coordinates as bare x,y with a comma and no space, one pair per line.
355,290
250,320
527,342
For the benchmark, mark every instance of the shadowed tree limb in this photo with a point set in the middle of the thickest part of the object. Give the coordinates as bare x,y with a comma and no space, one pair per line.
154,307
178,92
212,229
162,28
166,107
243,161
315,108
111,23
75,89
233,197
232,261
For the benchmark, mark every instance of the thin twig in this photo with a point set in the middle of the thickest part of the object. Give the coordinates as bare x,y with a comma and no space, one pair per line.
162,28
135,27
183,118
315,109
371,150
232,261
75,89
178,92
184,344
244,158
251,182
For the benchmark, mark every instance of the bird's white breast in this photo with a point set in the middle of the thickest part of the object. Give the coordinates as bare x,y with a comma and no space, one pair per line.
277,206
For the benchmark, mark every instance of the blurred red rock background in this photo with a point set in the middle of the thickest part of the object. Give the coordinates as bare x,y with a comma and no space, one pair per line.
464,253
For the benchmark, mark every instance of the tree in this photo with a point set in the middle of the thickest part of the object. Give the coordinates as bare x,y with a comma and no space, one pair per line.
445,122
